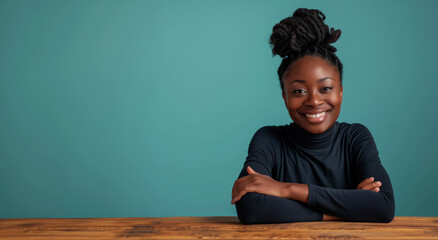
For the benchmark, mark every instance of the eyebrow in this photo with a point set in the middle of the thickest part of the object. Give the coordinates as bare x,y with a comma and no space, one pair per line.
304,81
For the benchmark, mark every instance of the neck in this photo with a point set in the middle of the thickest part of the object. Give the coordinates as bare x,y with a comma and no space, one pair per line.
312,140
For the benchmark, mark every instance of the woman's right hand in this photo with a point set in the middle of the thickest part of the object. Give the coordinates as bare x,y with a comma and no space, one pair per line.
370,184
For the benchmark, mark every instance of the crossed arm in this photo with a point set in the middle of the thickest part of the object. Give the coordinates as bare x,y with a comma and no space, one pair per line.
263,184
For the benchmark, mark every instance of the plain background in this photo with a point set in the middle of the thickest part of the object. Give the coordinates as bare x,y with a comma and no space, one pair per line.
146,108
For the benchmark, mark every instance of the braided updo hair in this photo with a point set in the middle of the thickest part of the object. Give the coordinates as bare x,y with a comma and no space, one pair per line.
303,34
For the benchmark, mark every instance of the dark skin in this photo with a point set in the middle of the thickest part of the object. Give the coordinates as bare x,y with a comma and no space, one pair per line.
313,96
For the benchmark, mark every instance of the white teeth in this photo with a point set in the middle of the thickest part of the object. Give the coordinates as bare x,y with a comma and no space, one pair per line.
318,115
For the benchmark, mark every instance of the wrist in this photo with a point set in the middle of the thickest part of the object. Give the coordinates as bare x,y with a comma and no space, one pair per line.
327,217
287,190
296,191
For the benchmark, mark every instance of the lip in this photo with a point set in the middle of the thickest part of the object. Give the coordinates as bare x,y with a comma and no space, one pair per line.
315,111
316,120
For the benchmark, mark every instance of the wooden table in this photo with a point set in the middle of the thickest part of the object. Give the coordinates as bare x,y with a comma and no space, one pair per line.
212,228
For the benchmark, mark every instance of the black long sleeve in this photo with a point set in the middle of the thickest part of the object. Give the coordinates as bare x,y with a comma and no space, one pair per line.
332,164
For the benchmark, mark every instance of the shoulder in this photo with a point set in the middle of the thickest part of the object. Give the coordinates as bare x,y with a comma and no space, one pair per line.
268,141
269,134
359,138
354,130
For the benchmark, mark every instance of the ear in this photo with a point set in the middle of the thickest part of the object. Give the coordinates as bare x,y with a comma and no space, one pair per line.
284,98
342,90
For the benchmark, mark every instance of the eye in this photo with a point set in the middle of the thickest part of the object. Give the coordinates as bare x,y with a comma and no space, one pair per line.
326,89
299,91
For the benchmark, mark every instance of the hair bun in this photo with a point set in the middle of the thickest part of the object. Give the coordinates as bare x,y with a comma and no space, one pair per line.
304,30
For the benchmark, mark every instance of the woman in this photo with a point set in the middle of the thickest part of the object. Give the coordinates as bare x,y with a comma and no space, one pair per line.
314,168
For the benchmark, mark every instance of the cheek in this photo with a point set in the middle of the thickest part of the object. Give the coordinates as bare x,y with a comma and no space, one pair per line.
335,100
293,105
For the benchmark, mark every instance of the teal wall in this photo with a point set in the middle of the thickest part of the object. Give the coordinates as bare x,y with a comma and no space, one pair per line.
146,108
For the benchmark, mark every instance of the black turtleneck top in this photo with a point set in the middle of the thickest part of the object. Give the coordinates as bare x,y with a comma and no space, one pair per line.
332,163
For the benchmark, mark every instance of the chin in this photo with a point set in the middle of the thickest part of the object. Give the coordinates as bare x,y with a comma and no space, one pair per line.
315,128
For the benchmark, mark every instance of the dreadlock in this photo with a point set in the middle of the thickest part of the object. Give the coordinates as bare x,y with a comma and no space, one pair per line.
305,33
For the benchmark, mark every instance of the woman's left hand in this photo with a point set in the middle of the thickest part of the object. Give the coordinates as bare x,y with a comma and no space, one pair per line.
256,182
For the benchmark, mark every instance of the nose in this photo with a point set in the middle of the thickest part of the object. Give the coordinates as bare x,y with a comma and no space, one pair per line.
314,100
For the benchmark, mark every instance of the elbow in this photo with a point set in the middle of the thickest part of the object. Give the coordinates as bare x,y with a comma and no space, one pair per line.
387,219
256,208
249,209
378,208
384,217
248,218
383,214
388,214
387,211
245,217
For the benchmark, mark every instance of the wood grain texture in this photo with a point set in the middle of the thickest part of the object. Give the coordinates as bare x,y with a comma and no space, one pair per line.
212,228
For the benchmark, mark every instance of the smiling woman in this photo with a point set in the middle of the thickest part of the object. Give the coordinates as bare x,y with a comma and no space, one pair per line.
315,103
314,168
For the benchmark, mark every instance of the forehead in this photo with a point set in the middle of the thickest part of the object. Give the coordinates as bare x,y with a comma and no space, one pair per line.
311,68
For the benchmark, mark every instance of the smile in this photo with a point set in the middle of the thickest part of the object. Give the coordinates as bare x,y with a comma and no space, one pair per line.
316,117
